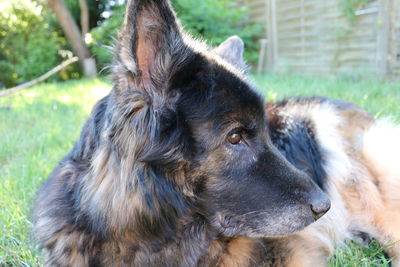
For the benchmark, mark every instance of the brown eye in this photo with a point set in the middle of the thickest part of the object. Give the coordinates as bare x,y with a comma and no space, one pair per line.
234,138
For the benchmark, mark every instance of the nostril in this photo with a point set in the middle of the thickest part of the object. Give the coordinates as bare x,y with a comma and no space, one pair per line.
320,208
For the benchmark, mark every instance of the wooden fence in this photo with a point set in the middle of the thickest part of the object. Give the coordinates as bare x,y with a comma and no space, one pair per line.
315,36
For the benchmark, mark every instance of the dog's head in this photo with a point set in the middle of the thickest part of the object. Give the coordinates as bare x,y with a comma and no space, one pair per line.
203,130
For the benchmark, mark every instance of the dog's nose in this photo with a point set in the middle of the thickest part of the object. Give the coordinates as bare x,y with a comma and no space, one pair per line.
320,206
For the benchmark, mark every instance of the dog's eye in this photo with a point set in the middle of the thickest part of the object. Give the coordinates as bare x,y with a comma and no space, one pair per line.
234,138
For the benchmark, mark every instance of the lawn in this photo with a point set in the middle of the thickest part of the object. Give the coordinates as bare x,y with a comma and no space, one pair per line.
39,125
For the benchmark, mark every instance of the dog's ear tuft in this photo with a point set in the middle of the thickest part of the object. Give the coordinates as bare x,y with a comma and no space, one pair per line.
150,43
232,50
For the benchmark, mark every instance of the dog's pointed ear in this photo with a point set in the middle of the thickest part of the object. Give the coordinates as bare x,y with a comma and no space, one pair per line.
232,50
149,43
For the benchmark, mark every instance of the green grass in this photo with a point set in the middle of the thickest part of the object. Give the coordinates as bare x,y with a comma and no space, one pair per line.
35,134
39,126
352,255
379,97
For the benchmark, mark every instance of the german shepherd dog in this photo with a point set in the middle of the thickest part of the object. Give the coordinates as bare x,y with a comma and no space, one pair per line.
183,164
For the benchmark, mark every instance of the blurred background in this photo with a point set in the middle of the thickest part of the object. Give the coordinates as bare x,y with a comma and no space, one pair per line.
335,37
55,58
329,37
37,35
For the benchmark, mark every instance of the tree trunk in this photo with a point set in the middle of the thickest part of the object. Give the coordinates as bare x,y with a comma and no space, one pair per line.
74,36
84,17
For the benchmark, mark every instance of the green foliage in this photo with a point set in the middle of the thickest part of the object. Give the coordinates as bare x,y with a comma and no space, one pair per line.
349,8
212,20
216,20
28,45
96,8
104,37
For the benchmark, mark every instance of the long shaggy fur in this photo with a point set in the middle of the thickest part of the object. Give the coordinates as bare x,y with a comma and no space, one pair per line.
183,165
362,179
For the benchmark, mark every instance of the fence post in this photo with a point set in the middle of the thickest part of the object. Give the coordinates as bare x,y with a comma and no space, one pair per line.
394,41
384,38
272,35
262,57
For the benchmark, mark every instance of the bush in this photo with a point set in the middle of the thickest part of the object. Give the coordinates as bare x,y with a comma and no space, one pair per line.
104,37
216,20
213,20
28,45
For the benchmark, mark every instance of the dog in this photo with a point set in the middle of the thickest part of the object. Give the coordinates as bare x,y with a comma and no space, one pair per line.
183,164
352,157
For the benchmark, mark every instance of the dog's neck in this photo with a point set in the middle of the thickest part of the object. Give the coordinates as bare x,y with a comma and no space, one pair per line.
195,244
199,246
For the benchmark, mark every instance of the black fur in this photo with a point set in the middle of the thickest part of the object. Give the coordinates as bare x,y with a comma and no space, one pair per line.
154,179
295,138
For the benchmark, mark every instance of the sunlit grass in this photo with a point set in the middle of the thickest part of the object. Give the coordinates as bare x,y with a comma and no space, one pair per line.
381,98
40,125
37,128
354,254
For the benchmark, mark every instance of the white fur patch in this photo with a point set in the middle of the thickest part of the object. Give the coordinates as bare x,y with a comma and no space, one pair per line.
382,146
331,229
380,150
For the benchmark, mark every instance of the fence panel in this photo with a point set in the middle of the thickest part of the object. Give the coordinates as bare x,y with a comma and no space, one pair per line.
314,36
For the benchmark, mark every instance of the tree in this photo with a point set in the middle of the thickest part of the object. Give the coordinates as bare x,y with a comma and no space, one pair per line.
96,9
74,36
84,17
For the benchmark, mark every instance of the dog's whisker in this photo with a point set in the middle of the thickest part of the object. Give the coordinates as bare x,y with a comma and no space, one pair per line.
254,213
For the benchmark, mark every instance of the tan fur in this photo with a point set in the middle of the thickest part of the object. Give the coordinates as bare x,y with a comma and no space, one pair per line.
382,162
235,252
238,253
109,182
111,175
66,247
364,190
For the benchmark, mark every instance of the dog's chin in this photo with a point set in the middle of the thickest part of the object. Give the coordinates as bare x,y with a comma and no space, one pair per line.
281,230
230,227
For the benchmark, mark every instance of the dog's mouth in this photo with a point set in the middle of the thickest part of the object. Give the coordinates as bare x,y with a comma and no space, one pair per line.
256,226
